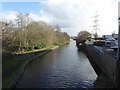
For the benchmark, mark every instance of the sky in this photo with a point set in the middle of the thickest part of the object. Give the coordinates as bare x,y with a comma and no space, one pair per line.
71,15
119,10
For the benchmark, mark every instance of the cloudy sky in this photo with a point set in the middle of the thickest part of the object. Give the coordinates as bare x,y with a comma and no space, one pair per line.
71,15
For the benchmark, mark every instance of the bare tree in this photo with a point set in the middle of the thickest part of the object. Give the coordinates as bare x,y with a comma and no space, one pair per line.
26,34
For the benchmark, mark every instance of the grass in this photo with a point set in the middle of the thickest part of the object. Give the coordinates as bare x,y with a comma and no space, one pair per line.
37,50
10,68
43,49
10,63
11,77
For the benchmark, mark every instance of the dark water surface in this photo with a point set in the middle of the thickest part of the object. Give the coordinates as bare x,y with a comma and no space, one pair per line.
64,67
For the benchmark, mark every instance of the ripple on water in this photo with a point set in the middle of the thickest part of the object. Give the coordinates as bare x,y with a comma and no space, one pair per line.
64,67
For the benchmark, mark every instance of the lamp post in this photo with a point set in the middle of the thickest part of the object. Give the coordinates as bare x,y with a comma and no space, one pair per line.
118,53
117,82
118,58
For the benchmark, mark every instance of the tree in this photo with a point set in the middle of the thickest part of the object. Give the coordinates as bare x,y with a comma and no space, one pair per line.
113,33
82,36
25,34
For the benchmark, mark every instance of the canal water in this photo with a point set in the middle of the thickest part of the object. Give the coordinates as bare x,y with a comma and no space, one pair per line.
64,67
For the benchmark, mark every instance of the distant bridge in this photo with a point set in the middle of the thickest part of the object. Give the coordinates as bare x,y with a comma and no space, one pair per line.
74,37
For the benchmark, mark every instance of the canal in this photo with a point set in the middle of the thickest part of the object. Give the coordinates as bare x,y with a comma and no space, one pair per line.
64,67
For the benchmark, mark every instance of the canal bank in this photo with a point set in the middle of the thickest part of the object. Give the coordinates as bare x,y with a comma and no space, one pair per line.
14,73
28,58
103,60
64,67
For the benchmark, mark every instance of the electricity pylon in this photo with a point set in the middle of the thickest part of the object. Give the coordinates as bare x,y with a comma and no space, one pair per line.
95,26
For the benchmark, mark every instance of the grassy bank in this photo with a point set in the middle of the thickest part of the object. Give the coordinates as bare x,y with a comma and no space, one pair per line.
11,68
12,64
43,49
9,80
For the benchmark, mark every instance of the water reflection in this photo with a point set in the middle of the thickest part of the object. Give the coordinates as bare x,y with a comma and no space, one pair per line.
64,67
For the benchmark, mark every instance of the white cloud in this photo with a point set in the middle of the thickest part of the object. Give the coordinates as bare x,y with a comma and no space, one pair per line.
38,18
76,15
12,15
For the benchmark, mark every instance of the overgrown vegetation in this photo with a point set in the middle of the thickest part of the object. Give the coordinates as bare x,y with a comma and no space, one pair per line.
24,34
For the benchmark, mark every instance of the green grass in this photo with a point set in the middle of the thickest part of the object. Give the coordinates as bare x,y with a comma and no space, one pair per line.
37,50
10,63
10,78
46,48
